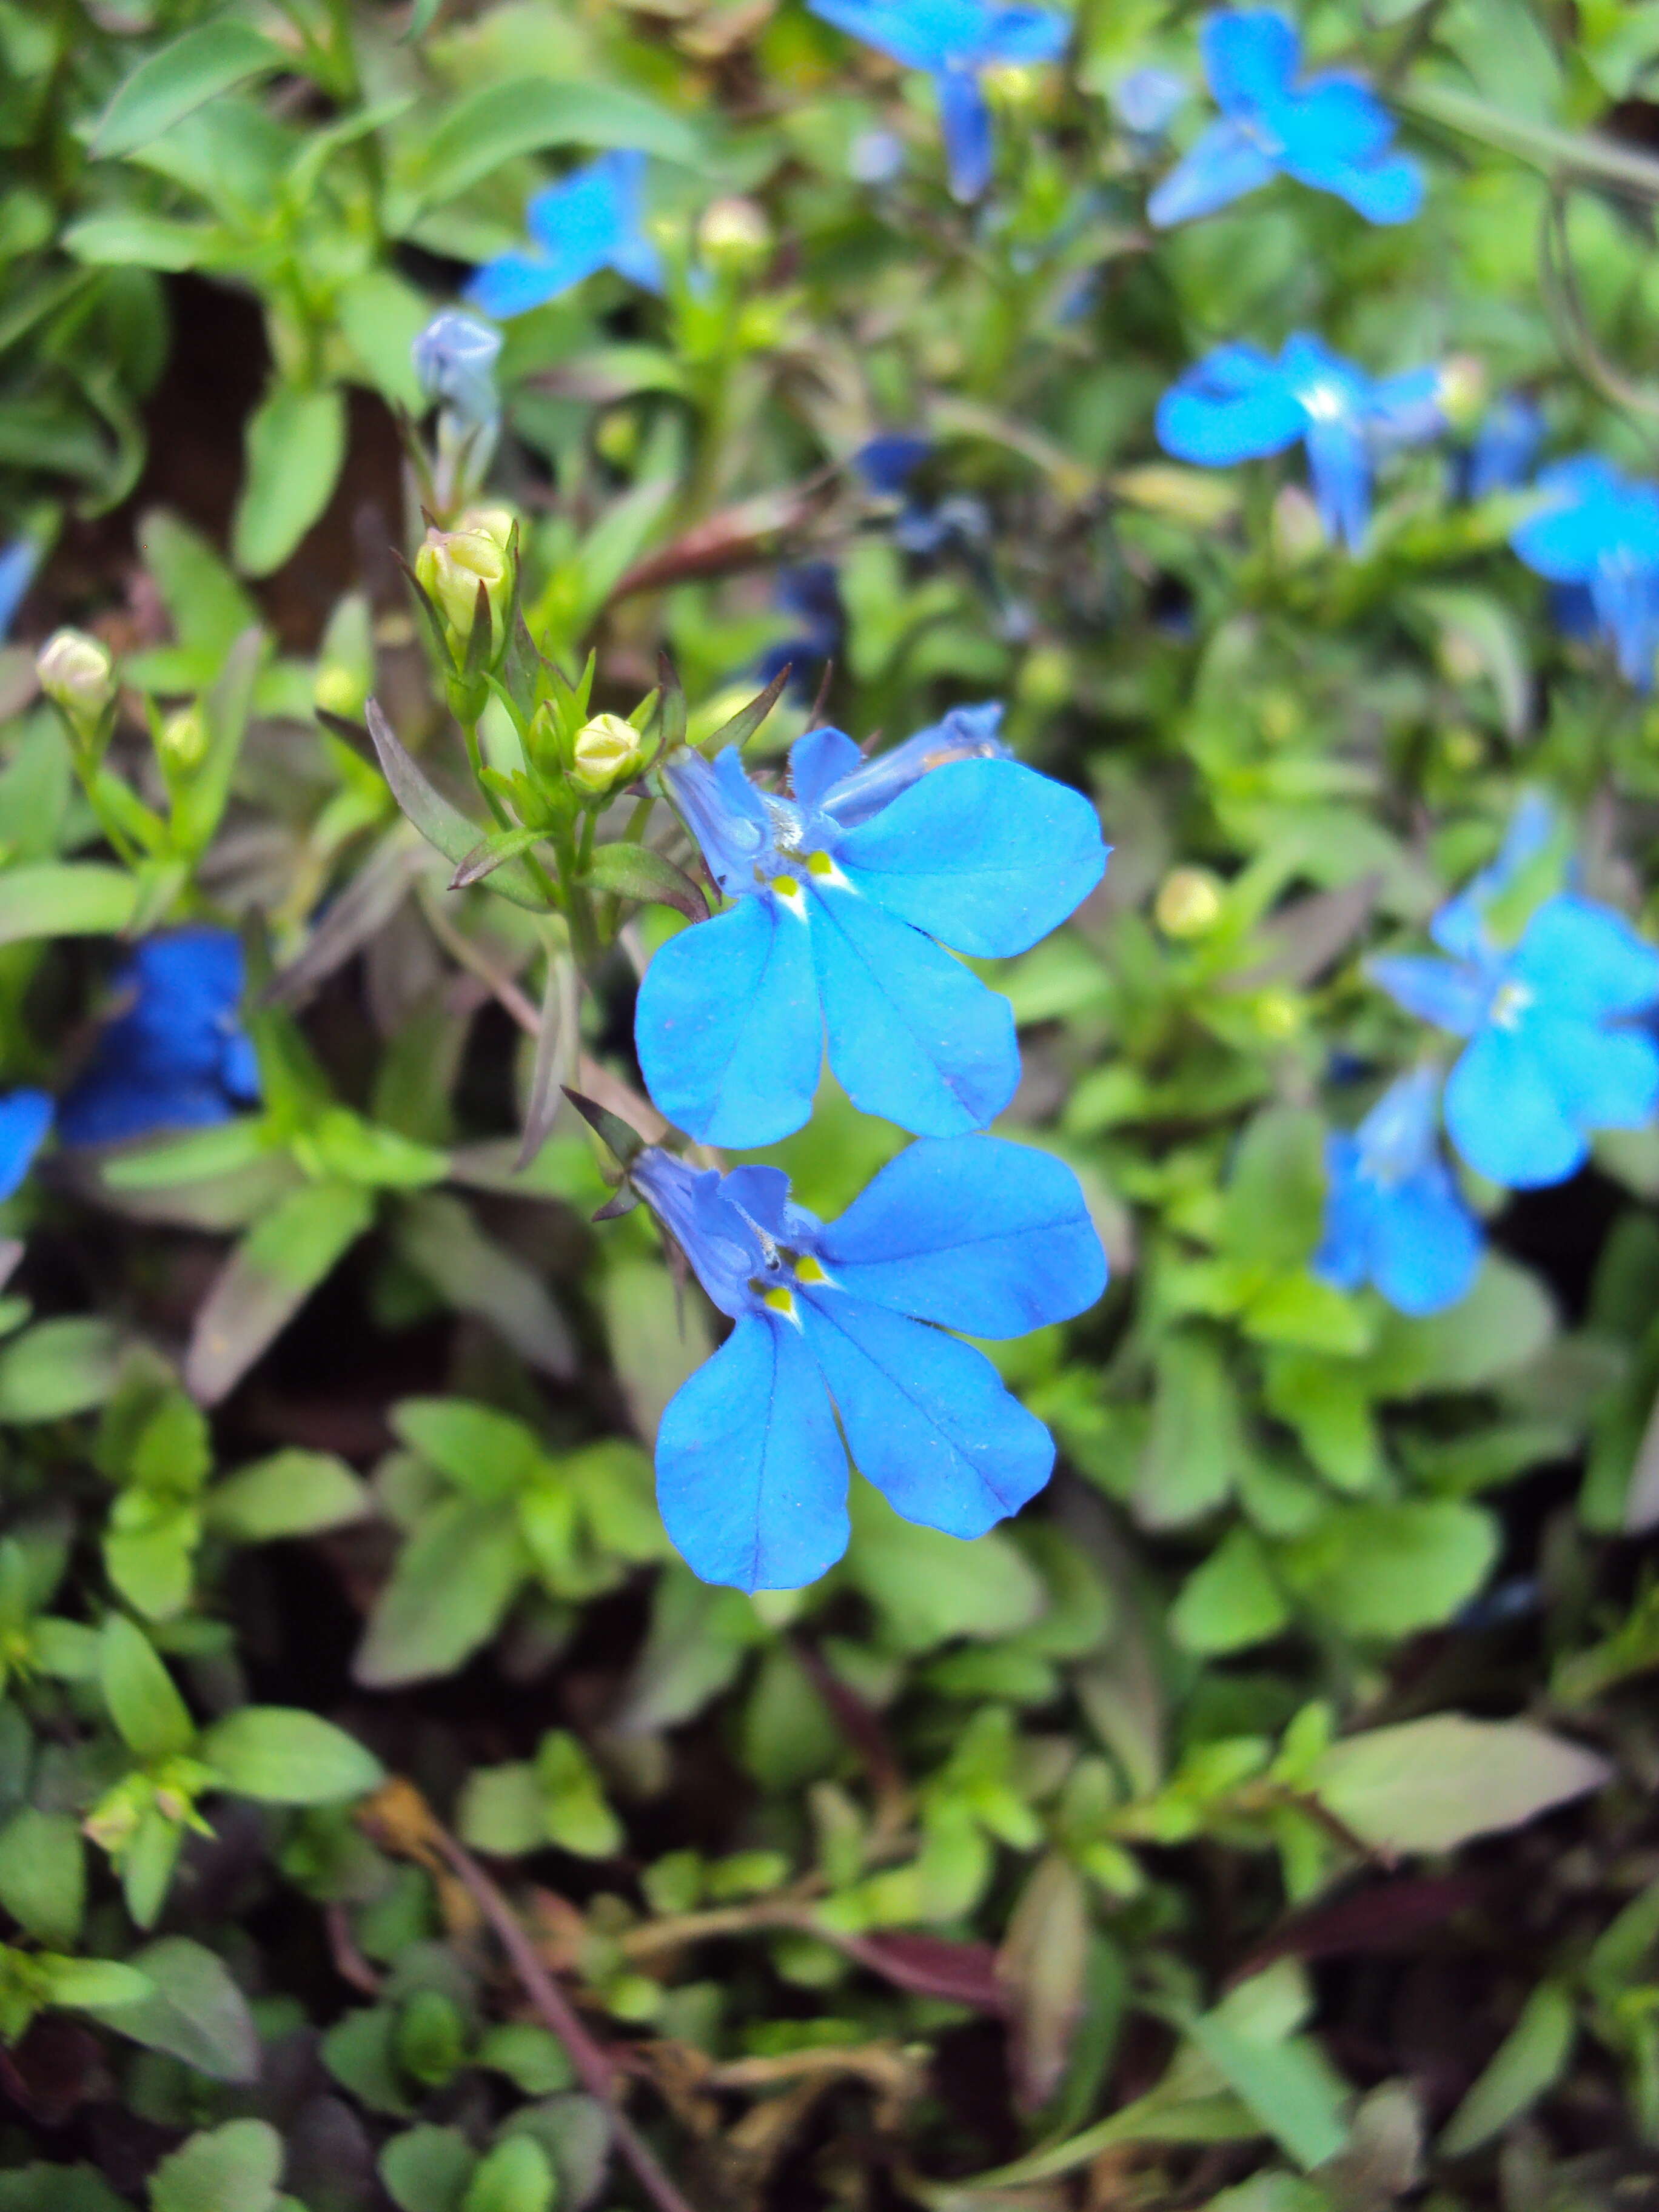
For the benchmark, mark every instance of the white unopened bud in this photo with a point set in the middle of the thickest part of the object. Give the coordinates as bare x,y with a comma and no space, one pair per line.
1188,902
77,674
734,232
452,564
607,750
184,740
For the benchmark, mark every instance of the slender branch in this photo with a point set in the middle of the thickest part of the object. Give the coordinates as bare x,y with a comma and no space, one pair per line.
401,1818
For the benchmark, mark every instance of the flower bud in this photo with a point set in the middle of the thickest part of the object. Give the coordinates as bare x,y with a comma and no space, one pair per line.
608,751
1462,392
184,740
340,690
452,563
1189,903
77,674
733,233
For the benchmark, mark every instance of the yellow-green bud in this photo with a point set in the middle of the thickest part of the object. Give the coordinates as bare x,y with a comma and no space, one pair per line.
1188,902
607,752
452,563
1012,86
733,233
340,690
1462,391
77,674
184,740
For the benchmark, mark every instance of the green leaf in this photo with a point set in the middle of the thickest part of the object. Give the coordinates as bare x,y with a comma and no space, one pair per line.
1500,1328
576,1817
485,1452
295,445
194,2011
1529,2063
51,2188
233,2168
426,2168
1287,2085
515,2177
359,2051
56,1367
502,1810
133,241
1428,1786
292,1493
1195,1449
380,317
1389,1569
930,1587
499,122
635,872
441,1239
283,1756
448,1593
92,1985
1274,1204
153,1719
43,1876
268,1278
209,608
1231,1601
185,73
442,825
69,898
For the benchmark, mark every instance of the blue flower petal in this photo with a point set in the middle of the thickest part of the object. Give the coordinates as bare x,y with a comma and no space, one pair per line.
1504,1116
1339,464
1565,542
1344,1257
725,813
927,1418
965,125
820,760
921,33
17,566
1224,163
1251,56
513,283
972,1232
25,1118
1016,38
1330,124
913,1036
985,855
751,1476
1426,1243
1586,959
727,1028
1451,997
1604,1079
1389,191
1236,404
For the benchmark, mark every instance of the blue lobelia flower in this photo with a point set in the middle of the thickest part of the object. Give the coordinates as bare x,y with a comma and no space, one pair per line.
1238,403
810,595
25,1118
176,1057
1330,131
18,563
849,1317
1393,1215
1554,1052
1146,102
454,359
956,41
842,896
589,221
1597,538
1500,455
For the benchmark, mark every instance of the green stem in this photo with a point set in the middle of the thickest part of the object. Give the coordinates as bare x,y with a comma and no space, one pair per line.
1578,154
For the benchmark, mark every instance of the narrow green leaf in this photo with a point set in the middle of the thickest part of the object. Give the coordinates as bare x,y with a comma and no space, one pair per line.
152,1718
268,1278
292,1493
43,1876
283,1756
451,1585
498,123
635,872
57,1368
1286,2085
1428,1786
295,445
1526,2066
442,825
186,72
66,898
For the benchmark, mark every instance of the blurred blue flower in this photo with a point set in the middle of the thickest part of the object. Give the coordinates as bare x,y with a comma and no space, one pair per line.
1238,403
956,41
1554,1052
888,461
454,359
18,565
843,897
25,1118
1330,131
1500,455
849,1318
1598,536
176,1056
1393,1215
1146,102
589,221
810,595
877,157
